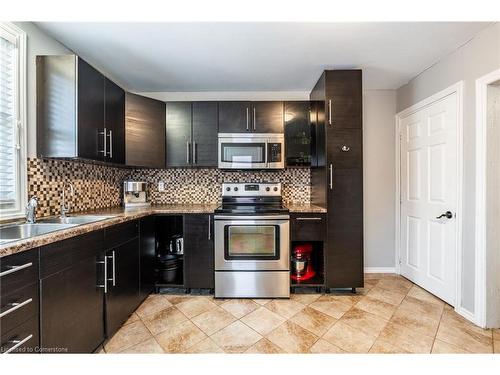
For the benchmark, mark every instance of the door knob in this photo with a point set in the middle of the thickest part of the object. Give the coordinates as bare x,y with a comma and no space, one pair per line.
447,215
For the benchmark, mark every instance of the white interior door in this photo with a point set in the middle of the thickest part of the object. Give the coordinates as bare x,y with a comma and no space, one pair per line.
429,179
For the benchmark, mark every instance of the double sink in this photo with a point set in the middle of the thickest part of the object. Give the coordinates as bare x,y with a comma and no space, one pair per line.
16,232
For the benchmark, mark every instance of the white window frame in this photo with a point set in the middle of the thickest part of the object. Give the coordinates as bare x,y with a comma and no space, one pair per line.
10,30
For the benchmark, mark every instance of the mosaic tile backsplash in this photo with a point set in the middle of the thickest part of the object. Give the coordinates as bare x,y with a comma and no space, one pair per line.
99,186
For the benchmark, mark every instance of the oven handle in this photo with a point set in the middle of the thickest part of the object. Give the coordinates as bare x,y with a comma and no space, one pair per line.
251,218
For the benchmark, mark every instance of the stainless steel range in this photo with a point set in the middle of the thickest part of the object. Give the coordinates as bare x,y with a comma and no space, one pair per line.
252,242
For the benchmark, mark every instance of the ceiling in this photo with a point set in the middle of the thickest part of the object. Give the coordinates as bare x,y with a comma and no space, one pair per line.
190,57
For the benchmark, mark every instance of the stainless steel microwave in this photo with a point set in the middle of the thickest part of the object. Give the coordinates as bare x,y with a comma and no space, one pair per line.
251,151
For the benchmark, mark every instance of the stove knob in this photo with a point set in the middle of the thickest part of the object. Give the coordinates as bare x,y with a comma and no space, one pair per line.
268,188
235,188
275,188
228,189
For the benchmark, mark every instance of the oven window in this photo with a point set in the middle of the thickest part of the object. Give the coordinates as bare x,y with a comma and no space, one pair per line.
252,242
243,152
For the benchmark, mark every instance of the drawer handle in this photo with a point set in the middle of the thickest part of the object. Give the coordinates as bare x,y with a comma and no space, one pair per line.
17,344
15,306
309,219
13,269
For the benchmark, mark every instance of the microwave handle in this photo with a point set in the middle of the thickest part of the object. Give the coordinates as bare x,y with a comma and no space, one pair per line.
248,119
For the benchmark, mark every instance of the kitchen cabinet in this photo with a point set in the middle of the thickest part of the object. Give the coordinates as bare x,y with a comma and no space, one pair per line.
337,173
298,133
191,134
80,113
308,227
71,299
258,117
144,131
198,251
147,235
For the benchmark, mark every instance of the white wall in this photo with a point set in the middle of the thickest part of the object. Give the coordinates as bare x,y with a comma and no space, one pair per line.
38,43
379,110
478,57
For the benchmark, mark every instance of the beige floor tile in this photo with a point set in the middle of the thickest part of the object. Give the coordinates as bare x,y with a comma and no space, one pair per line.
423,295
350,339
213,320
423,317
163,320
206,346
406,339
330,307
180,337
152,304
240,307
174,299
262,301
324,347
195,306
441,347
382,346
496,334
132,318
264,346
147,347
304,299
366,322
375,306
236,338
496,346
313,320
128,336
263,320
292,338
219,301
284,307
429,309
385,295
346,298
396,284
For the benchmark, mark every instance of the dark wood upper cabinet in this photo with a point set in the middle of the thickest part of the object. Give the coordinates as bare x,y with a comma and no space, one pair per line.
179,152
343,91
235,117
198,251
114,121
267,117
205,119
298,133
144,131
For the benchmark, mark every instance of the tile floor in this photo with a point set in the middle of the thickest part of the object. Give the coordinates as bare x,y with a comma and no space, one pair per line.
389,315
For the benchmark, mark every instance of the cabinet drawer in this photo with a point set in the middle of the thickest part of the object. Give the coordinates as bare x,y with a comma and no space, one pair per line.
63,254
18,271
345,148
22,339
121,233
308,227
17,307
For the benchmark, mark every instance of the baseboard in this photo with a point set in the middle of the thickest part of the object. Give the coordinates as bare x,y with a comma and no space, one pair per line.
380,269
467,315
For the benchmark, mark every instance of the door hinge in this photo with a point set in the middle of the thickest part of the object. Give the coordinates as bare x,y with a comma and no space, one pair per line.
399,260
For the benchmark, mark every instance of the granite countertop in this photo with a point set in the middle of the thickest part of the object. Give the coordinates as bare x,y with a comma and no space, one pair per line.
121,216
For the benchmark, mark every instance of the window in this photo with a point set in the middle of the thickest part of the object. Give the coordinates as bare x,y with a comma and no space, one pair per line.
12,121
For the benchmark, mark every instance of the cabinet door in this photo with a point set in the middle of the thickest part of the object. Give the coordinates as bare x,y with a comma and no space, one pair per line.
71,308
344,98
114,112
123,295
147,250
298,133
345,229
345,148
145,131
235,117
204,134
179,134
90,112
267,117
198,251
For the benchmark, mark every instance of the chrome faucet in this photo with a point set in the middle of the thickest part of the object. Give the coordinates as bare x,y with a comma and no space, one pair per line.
31,210
65,206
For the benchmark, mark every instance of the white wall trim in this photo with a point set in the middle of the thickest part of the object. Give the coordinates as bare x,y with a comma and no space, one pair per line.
380,269
227,95
458,89
480,229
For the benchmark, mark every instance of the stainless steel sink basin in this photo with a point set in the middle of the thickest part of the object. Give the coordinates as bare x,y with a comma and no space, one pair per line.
77,220
17,232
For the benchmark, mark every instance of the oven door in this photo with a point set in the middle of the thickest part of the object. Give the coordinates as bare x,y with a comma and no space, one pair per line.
242,152
252,243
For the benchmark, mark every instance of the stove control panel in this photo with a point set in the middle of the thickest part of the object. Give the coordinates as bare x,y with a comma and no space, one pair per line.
265,189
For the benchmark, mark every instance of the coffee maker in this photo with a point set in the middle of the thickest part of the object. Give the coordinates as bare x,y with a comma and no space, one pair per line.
134,194
302,262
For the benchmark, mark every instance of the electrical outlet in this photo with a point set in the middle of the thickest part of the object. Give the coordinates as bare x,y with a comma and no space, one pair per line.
161,186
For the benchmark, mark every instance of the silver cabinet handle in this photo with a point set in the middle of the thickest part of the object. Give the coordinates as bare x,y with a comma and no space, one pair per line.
254,119
187,152
110,152
194,153
248,118
331,176
105,285
308,219
209,228
17,344
330,112
15,306
12,269
104,134
113,259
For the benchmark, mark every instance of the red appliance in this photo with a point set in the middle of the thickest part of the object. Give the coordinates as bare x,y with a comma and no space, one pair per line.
302,267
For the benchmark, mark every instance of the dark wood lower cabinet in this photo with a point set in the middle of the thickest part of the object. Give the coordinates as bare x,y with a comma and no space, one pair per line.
147,237
198,251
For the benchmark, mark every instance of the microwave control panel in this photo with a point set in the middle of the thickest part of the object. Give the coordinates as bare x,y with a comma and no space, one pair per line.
274,152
